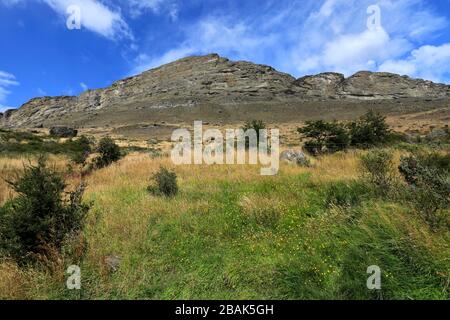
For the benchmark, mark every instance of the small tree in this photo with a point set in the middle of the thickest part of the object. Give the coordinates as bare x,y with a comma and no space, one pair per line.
164,183
324,137
83,150
40,217
370,130
109,153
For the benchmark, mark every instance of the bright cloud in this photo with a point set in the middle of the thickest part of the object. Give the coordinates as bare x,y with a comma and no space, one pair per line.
84,86
337,38
212,35
96,17
314,37
427,62
11,2
6,80
140,7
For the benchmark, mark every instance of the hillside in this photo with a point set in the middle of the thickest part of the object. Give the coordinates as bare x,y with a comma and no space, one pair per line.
214,88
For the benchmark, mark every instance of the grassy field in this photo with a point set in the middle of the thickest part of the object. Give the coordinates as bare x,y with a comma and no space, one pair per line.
307,233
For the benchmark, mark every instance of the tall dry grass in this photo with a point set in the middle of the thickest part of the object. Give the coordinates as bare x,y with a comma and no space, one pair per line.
121,220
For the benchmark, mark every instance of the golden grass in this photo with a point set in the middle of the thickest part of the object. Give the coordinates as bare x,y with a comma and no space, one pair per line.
9,167
118,223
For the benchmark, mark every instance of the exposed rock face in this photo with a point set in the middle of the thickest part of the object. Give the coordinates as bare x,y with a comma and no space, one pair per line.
383,85
215,80
324,85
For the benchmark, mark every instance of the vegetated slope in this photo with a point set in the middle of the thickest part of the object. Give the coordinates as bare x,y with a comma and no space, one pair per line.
308,233
203,85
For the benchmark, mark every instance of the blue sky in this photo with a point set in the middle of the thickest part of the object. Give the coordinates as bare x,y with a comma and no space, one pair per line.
40,56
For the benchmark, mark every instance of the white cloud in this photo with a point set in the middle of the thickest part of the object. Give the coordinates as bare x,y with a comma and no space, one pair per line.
335,36
309,37
208,36
139,7
6,80
427,62
9,3
84,86
96,17
41,92
4,108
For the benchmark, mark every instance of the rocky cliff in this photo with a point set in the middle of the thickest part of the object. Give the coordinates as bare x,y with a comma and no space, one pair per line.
218,81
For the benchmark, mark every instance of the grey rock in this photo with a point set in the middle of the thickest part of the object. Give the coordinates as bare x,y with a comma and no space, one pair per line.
63,132
295,157
113,263
437,134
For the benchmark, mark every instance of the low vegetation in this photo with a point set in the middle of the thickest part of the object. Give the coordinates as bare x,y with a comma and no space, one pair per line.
16,143
164,183
226,232
35,224
428,181
369,131
109,152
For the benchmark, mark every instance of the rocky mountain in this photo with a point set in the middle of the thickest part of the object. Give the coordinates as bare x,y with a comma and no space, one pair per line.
215,80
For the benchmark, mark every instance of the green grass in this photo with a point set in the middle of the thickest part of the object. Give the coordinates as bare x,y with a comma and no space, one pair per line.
242,236
18,143
303,247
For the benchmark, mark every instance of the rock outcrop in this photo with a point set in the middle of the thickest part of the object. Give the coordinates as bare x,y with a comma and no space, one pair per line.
63,132
383,85
323,86
214,80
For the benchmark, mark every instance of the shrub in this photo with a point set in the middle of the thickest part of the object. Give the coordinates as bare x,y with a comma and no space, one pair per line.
39,218
377,167
324,137
82,150
109,153
429,186
164,183
370,130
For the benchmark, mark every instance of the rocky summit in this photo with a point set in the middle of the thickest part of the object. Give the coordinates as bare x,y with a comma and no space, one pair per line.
217,81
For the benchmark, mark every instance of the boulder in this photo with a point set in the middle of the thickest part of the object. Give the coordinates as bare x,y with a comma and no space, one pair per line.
112,262
63,132
295,157
437,134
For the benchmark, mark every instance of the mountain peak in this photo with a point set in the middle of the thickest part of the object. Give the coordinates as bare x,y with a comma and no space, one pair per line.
214,80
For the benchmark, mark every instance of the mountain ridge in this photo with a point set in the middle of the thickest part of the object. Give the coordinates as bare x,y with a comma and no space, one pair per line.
211,79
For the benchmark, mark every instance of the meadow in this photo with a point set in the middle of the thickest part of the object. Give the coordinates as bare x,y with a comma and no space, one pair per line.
230,233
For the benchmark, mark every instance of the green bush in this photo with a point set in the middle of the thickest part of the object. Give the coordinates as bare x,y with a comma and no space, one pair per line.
369,131
427,176
324,137
82,151
328,137
40,217
377,167
109,152
164,183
